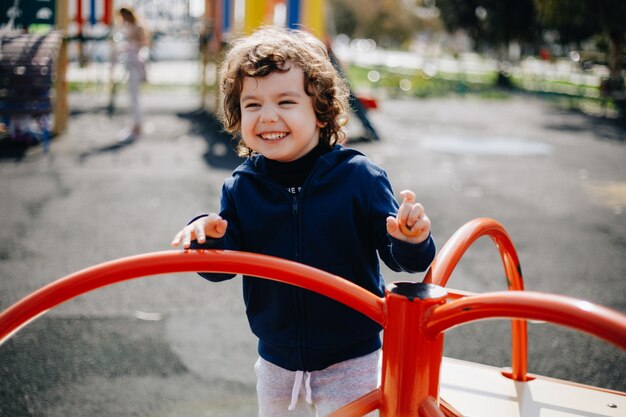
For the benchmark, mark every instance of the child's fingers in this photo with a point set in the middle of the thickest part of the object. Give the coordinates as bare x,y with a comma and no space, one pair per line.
408,195
411,223
198,229
186,238
415,214
392,225
405,207
212,226
217,229
177,239
215,226
221,227
422,226
404,212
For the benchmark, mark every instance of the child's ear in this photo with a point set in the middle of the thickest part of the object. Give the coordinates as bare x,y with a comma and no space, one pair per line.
321,124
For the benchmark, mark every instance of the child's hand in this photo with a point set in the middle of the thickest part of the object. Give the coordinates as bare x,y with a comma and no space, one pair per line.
212,226
411,224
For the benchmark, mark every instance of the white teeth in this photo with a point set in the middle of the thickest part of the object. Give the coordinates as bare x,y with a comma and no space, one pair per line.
273,136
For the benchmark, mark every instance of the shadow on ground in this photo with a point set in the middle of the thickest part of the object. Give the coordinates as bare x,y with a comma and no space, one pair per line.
80,349
13,150
221,146
603,127
114,146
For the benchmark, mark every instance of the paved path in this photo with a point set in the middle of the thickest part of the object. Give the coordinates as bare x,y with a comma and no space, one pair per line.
175,345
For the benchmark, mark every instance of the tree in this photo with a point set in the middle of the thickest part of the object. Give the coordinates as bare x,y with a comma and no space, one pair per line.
344,18
491,22
388,22
577,20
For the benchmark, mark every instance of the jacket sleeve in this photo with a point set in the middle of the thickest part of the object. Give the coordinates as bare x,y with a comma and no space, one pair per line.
398,255
412,257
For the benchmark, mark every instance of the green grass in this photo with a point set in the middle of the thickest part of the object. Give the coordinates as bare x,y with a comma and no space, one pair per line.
415,83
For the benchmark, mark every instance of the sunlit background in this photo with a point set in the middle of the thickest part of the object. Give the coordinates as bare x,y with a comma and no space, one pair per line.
570,48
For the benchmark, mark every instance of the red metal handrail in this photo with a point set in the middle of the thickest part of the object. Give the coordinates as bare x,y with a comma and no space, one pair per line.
450,255
602,322
454,249
414,316
156,263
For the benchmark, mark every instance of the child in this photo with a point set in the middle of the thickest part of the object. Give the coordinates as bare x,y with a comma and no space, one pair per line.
136,44
301,195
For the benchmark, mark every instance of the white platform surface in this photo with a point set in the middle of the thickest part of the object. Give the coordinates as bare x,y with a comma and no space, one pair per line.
478,390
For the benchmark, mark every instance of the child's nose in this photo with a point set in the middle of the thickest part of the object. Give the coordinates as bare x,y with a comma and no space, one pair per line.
269,115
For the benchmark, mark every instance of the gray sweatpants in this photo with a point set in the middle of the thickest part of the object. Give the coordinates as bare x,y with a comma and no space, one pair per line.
284,393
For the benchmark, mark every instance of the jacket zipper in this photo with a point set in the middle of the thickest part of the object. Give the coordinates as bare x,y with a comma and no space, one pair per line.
296,218
298,296
297,292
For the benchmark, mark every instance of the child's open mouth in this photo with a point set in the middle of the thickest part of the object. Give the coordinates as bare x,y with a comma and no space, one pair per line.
273,135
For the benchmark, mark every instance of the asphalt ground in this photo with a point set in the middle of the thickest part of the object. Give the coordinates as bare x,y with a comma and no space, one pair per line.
176,345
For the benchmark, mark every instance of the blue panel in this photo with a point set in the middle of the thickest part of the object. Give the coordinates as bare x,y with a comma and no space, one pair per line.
293,14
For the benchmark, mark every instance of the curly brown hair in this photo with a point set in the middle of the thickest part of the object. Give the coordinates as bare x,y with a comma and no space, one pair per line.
271,49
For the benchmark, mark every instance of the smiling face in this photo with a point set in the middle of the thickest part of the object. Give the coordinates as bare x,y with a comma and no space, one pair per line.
277,116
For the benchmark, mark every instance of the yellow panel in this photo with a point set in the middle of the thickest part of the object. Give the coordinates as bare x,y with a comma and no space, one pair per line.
314,11
254,15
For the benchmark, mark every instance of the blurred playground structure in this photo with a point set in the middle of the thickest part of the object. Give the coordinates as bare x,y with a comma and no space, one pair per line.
89,25
79,37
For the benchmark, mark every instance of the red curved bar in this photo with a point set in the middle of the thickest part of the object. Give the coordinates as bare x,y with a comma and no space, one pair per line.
57,292
450,255
602,322
429,408
447,409
454,249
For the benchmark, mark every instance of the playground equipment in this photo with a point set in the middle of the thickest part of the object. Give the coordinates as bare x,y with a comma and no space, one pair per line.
415,317
87,22
27,67
30,90
219,24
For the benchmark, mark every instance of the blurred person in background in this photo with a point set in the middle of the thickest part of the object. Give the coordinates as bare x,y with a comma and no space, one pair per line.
135,52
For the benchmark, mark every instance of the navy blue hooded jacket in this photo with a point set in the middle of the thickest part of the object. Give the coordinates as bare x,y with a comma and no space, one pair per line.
337,223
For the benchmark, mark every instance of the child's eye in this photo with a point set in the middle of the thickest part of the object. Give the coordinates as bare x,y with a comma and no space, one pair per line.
251,105
286,102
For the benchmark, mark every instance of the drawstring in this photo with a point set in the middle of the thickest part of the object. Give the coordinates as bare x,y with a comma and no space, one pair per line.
297,383
295,390
307,388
